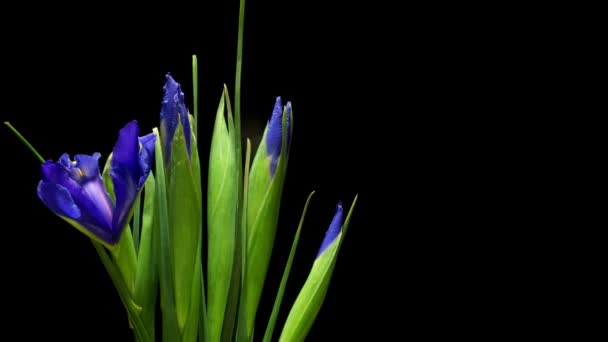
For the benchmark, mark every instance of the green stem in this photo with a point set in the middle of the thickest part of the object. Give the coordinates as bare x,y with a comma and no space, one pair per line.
23,140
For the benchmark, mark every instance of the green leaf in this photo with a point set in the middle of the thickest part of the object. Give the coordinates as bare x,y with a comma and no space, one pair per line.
198,282
242,328
239,282
197,316
146,280
184,221
170,329
311,297
191,328
279,299
221,221
24,141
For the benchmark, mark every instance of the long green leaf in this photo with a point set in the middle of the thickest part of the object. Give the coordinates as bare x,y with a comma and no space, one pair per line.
24,141
170,331
221,221
242,329
279,298
184,219
197,315
146,280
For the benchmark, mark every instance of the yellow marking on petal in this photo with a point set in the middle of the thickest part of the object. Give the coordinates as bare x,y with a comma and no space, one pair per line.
80,172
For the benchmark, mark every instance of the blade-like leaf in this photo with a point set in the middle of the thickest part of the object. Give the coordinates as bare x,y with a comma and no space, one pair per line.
241,271
279,299
146,280
221,221
24,141
170,329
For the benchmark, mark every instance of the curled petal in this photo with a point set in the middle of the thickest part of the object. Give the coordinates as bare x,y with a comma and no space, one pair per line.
58,199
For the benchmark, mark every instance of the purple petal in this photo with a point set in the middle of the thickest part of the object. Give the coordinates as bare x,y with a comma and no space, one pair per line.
58,199
84,200
168,114
334,229
146,156
125,171
183,115
273,135
88,165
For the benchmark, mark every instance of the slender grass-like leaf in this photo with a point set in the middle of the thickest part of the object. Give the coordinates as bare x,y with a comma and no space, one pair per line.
146,280
170,329
279,298
242,329
24,141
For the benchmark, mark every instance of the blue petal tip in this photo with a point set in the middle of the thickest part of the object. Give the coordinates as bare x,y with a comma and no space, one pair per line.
334,229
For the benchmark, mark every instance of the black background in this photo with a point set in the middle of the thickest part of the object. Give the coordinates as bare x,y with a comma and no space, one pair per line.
381,99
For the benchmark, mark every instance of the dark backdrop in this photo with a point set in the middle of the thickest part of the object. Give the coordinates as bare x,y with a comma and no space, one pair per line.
382,106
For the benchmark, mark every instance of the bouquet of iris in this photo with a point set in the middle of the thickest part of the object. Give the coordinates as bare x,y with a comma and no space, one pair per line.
145,213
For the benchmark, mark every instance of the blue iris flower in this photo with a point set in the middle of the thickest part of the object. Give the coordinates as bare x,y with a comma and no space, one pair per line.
74,189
